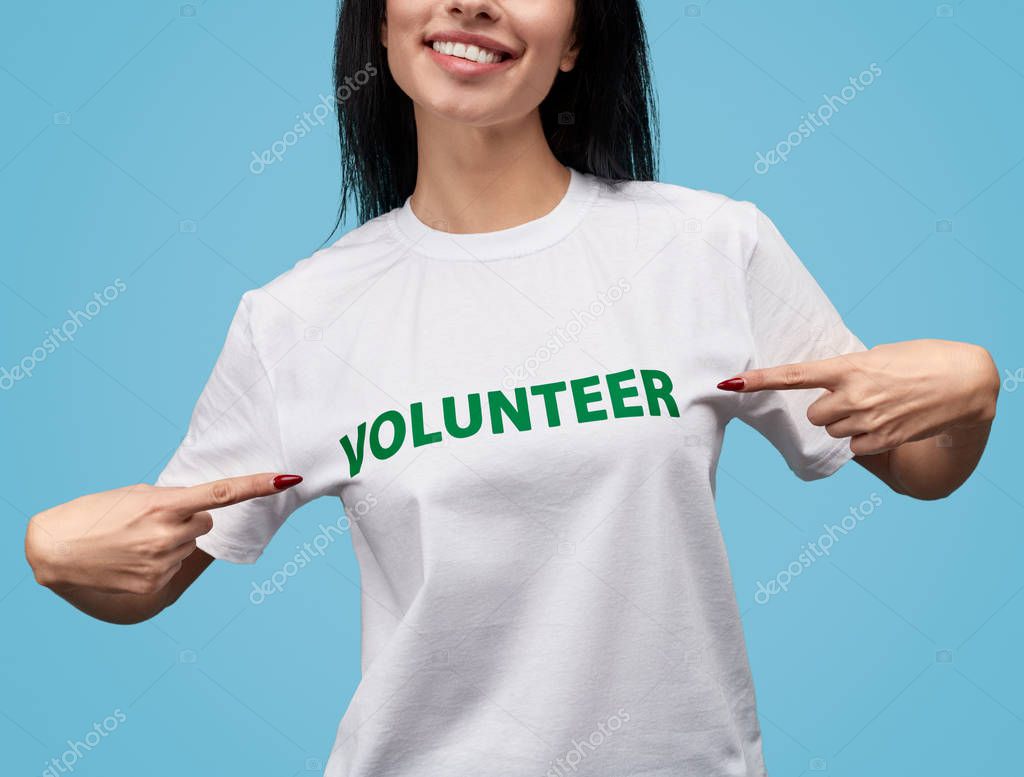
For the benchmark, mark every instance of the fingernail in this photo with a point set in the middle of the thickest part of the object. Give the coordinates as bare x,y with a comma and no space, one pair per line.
281,482
733,384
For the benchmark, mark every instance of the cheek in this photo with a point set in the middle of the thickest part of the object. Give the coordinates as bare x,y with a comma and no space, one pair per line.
550,48
546,27
406,20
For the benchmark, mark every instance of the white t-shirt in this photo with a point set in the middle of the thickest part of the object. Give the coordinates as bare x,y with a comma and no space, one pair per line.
524,427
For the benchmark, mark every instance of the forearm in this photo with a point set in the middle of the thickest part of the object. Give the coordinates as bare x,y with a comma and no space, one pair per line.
125,554
129,608
119,608
932,468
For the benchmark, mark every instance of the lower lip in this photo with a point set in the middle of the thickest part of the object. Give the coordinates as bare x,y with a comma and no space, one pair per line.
466,67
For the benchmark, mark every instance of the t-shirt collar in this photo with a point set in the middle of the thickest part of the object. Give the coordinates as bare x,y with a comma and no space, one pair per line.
527,238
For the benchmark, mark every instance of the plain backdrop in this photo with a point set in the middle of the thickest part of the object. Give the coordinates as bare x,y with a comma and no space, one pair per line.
126,155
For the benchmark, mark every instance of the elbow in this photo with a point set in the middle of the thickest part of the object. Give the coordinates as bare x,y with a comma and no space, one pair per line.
129,619
925,490
933,492
932,496
119,612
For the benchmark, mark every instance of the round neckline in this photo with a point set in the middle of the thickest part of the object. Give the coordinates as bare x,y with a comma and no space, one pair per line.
526,238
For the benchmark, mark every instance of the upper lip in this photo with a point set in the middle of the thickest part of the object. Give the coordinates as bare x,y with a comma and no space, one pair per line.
472,39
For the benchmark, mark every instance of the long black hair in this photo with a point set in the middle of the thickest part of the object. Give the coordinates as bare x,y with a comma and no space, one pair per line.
600,117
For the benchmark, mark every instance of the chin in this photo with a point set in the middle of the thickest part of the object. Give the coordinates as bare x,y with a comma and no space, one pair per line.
471,112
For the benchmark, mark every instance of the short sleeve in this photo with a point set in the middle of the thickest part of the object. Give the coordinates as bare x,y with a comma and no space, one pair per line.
791,320
234,431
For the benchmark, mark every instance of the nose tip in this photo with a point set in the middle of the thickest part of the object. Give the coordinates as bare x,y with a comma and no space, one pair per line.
480,9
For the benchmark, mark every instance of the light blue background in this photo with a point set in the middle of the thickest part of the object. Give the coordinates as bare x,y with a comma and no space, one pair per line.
125,145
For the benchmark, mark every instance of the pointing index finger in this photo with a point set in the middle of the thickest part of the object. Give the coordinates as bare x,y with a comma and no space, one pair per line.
229,491
824,373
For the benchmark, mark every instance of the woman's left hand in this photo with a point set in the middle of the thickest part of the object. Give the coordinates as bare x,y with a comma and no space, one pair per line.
891,394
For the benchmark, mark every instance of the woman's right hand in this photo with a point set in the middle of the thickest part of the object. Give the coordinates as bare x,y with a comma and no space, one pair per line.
132,539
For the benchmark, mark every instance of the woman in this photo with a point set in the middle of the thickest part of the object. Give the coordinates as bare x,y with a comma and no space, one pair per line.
512,375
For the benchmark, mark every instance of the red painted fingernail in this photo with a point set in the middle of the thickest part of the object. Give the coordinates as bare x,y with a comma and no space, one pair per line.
733,384
281,482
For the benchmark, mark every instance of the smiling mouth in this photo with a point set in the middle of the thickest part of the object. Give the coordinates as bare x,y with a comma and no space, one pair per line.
469,52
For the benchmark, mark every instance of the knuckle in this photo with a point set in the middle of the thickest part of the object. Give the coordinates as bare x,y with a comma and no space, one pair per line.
144,545
166,539
222,493
150,550
792,375
157,542
878,419
151,506
856,398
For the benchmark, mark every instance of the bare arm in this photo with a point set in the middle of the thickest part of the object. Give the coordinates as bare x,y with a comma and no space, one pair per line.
128,608
932,468
124,555
918,413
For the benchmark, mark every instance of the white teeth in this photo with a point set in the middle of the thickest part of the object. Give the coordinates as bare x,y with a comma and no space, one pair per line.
462,51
